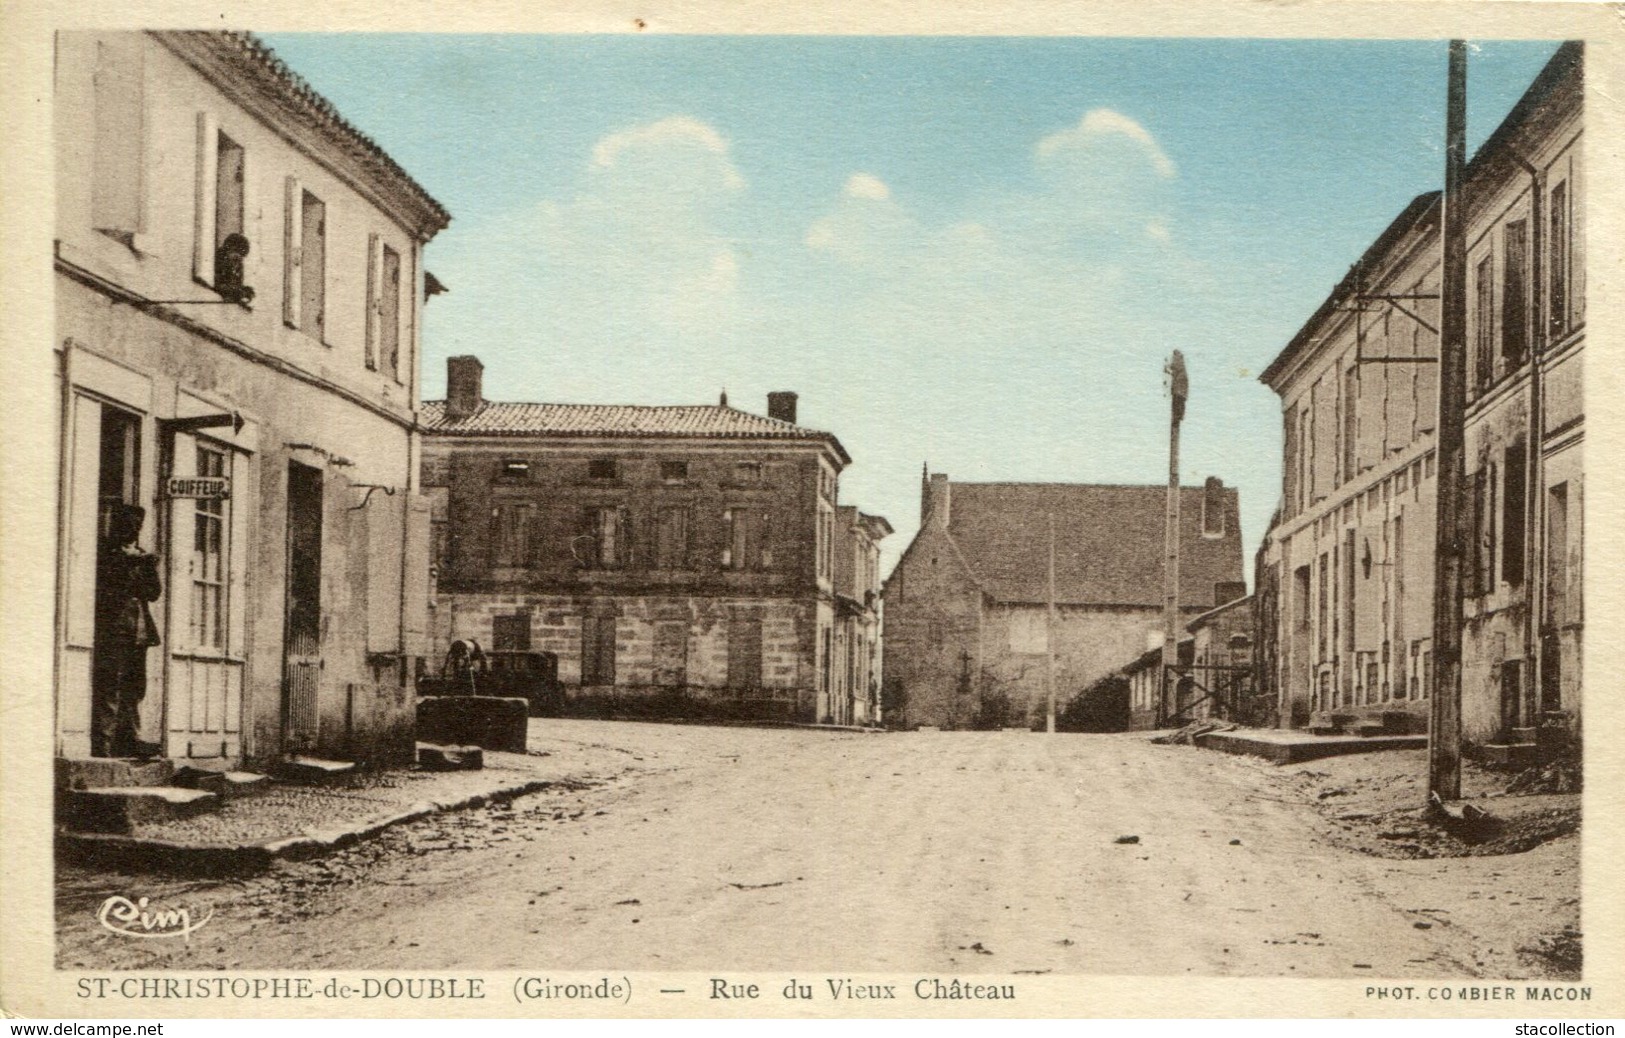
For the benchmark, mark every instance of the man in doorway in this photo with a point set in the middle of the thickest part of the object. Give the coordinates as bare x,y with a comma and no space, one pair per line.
126,581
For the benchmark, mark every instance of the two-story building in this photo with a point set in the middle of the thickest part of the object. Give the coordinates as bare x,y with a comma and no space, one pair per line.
239,279
677,561
1346,574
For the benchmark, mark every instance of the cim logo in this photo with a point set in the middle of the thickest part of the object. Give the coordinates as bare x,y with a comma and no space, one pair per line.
120,915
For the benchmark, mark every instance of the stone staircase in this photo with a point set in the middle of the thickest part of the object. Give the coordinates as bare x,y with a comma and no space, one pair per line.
116,795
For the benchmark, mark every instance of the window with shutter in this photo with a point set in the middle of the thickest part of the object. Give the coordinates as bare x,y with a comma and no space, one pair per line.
1514,498
1515,294
120,111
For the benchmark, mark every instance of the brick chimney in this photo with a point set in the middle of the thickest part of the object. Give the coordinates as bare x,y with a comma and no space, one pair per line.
464,386
782,405
936,501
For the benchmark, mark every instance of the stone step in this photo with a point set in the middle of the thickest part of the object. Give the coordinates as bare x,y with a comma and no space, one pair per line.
226,784
102,772
432,757
118,809
312,771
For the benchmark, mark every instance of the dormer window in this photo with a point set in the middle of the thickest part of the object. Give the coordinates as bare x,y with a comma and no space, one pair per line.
601,468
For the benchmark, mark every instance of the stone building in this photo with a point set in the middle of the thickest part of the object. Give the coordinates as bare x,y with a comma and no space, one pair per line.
677,561
239,278
966,609
856,678
1348,566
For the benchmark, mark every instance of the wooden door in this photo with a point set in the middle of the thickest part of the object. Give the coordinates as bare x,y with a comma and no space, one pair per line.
302,661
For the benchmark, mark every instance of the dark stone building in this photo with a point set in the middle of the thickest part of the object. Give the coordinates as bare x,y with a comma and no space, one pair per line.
678,561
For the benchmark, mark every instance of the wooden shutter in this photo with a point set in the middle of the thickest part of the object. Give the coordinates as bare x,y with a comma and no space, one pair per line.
293,233
375,305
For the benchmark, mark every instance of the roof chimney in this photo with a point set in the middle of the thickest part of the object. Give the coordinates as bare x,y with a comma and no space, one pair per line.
464,386
782,405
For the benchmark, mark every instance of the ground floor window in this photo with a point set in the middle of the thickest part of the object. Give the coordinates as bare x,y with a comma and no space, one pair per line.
511,633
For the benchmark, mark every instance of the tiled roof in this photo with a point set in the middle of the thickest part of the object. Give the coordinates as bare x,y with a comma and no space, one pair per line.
686,421
259,65
1108,542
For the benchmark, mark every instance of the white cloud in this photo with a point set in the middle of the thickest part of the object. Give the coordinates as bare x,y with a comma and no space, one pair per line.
1103,123
867,185
673,133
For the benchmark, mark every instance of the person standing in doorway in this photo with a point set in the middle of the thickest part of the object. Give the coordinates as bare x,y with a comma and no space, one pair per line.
126,582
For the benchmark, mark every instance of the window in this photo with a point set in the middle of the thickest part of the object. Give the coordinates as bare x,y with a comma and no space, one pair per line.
1351,421
744,653
602,468
515,468
1557,555
1515,295
511,533
208,627
221,176
383,345
1480,572
673,471
605,539
304,300
1514,469
748,471
1561,249
117,176
1289,460
671,539
1484,325
598,650
511,633
744,530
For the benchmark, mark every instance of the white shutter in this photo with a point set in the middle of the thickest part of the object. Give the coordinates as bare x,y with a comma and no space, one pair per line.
293,234
208,159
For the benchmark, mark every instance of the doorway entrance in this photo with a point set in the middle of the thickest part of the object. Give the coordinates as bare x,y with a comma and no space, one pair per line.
302,662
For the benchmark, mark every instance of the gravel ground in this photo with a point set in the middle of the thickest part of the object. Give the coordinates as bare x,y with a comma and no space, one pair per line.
687,847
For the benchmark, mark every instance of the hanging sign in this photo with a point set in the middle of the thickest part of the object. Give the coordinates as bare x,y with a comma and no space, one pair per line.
207,488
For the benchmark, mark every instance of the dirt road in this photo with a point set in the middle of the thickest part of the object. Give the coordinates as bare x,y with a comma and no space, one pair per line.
690,847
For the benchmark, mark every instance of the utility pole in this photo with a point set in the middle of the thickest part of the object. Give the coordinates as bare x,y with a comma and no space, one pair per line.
1450,535
1049,636
1178,390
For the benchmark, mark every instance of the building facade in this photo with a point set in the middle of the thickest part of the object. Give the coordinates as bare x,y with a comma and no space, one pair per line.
856,665
678,561
967,609
1349,563
238,287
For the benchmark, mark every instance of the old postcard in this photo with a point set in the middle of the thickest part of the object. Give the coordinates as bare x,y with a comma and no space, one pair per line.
1089,511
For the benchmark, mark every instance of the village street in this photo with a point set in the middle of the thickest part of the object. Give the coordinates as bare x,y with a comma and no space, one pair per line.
714,848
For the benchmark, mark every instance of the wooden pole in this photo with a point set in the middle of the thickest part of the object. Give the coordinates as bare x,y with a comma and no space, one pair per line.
1049,638
1178,386
1451,528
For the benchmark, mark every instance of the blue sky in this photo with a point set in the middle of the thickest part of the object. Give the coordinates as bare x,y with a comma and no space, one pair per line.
972,252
